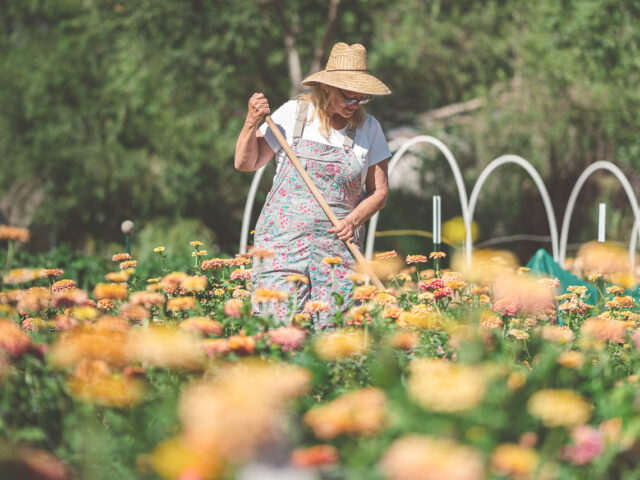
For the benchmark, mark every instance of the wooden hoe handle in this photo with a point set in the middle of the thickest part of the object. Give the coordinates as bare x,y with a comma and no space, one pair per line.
323,203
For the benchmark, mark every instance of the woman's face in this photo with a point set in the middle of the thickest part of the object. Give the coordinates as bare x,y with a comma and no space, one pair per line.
338,106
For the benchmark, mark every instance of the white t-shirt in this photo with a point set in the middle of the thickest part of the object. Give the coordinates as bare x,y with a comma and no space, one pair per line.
369,146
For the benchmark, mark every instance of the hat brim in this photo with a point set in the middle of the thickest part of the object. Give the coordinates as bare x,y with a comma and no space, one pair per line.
354,81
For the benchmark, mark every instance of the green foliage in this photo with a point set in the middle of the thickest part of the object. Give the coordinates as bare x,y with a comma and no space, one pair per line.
131,110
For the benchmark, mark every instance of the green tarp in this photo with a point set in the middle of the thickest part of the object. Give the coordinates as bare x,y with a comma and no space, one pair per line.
544,263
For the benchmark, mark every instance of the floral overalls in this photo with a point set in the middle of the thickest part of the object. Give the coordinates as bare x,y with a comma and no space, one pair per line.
293,225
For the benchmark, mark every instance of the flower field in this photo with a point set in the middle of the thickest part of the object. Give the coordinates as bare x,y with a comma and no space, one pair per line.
450,373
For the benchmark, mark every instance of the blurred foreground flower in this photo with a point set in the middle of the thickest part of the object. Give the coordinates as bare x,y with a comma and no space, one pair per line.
172,459
588,444
89,343
529,295
440,386
165,347
341,344
421,457
514,460
15,234
93,382
241,408
362,412
316,456
608,259
486,265
13,340
559,408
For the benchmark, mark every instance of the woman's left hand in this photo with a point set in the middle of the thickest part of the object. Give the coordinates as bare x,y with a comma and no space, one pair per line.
345,230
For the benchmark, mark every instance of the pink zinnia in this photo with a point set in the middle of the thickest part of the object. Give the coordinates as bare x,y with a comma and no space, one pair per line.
316,306
431,285
589,444
443,293
506,306
289,338
233,308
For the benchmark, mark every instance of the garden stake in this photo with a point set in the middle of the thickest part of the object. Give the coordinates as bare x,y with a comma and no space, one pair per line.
323,203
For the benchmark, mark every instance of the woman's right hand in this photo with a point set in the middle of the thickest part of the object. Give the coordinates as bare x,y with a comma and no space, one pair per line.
258,108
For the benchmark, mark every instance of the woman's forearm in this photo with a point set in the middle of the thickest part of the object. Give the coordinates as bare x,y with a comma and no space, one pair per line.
368,207
247,148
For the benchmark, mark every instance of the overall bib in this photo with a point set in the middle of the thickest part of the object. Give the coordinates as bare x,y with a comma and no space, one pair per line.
293,225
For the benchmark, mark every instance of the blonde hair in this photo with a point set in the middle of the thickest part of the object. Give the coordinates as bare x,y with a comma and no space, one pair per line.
321,98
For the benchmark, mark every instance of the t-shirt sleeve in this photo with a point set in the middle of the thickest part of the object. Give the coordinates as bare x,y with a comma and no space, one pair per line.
284,118
378,148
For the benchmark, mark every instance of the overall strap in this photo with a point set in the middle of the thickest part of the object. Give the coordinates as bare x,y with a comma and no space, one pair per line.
301,119
349,137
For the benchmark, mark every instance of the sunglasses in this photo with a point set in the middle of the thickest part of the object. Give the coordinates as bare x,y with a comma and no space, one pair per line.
355,101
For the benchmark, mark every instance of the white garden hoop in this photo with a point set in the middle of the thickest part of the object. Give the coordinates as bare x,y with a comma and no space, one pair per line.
546,199
622,178
462,191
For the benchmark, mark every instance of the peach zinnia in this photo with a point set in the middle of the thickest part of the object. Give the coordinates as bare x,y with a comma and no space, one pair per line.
316,306
62,285
415,259
110,290
118,257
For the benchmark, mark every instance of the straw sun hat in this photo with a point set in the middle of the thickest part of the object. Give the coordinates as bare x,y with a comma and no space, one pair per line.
347,69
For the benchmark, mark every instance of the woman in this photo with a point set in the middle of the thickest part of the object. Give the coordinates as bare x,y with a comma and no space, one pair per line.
343,149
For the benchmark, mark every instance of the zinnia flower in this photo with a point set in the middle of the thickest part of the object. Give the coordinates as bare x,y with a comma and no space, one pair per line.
233,308
180,304
603,330
147,299
92,382
118,257
316,456
136,313
69,298
52,272
128,264
34,299
556,333
514,461
165,348
385,255
440,386
196,283
296,278
241,274
289,338
341,344
117,277
13,340
62,285
110,290
263,295
588,445
422,457
364,292
415,259
212,264
16,234
571,359
262,253
518,334
202,325
362,412
559,408
316,306
437,255
331,261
